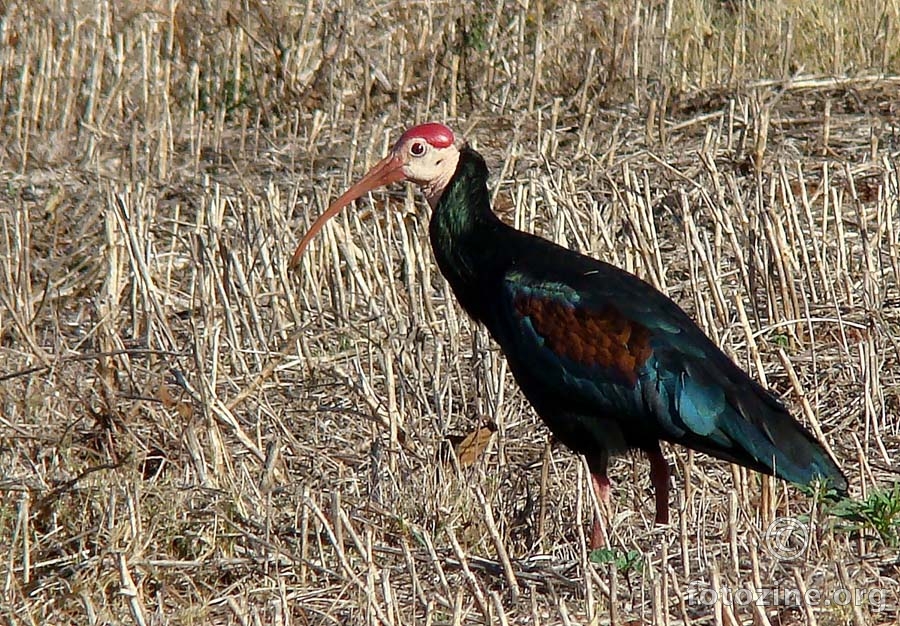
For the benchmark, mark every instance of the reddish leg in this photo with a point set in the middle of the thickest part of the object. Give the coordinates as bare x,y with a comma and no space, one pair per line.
600,482
659,478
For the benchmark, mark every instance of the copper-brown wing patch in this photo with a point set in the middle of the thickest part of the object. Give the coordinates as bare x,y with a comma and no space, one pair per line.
602,337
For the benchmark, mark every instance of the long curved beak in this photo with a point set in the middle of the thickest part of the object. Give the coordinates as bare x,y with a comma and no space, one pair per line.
388,170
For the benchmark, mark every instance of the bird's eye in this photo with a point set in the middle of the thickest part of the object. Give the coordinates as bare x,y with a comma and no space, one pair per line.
417,149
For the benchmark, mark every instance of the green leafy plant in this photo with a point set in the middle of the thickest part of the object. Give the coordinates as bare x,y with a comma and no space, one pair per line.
879,512
625,561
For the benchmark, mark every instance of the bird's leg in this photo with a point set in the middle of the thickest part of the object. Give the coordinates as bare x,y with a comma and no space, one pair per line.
659,478
601,488
600,482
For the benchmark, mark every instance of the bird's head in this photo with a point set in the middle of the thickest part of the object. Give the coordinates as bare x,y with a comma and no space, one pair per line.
426,155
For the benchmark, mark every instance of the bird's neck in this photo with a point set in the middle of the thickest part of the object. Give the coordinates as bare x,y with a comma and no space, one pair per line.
465,233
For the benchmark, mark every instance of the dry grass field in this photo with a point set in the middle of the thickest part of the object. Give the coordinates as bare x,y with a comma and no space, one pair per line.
190,433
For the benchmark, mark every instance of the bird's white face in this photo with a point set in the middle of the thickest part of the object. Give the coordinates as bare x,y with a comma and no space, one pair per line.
426,155
430,167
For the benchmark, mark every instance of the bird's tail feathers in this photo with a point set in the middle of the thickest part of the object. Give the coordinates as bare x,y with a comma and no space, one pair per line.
782,446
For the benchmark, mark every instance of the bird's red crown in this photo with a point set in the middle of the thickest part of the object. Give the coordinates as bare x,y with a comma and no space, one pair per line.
434,133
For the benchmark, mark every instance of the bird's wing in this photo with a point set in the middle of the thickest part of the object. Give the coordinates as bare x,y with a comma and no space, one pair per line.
602,340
